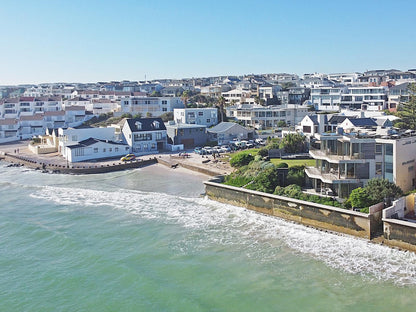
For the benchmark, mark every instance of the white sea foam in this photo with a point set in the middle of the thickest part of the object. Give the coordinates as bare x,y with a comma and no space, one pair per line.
213,223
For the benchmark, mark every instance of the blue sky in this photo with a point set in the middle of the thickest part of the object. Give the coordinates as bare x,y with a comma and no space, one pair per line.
88,41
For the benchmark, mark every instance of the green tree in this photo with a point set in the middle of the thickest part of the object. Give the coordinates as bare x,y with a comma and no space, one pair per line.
241,159
185,97
281,123
138,115
148,114
359,198
379,189
156,94
293,143
167,116
407,110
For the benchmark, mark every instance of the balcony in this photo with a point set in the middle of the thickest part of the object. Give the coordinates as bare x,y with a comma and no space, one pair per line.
332,157
331,176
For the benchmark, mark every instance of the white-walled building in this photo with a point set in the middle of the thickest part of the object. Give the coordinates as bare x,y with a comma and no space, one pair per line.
327,98
145,135
261,117
366,98
72,136
155,106
199,116
92,149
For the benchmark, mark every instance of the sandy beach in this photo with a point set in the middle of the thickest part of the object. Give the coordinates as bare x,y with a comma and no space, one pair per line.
207,165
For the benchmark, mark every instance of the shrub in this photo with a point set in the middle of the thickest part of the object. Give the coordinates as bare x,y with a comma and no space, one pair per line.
282,165
263,152
267,180
241,159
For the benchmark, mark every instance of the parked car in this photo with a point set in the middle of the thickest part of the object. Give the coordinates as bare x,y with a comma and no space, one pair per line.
200,151
216,149
208,149
225,149
128,157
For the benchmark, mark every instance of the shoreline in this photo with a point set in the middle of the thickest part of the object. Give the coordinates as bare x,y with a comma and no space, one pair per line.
17,154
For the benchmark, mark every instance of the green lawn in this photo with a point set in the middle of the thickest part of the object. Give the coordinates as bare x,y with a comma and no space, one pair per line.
294,162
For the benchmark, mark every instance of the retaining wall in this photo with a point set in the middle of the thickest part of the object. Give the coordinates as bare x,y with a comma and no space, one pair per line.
307,213
400,233
78,168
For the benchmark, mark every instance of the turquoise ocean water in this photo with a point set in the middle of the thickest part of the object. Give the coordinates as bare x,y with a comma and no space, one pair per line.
144,240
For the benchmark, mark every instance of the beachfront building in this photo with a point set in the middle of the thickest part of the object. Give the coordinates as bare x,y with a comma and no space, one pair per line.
225,132
145,135
348,158
150,106
189,135
94,149
198,116
263,117
72,136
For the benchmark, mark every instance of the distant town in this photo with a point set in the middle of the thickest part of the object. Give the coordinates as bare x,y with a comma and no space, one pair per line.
351,129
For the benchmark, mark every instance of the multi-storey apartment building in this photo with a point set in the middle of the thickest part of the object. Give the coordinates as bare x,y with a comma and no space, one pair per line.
327,98
199,116
155,106
366,98
345,161
262,117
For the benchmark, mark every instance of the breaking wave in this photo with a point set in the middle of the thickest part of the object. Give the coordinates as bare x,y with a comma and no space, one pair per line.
261,237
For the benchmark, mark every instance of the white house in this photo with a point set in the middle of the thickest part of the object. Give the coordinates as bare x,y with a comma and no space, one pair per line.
72,136
199,116
145,135
91,149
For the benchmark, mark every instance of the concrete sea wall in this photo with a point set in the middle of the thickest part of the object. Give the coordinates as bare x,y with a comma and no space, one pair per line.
307,213
78,168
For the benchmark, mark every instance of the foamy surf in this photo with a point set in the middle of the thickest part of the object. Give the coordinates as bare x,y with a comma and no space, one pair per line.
260,236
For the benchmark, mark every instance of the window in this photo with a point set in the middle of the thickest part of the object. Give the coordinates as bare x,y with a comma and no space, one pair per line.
158,135
200,113
104,150
156,124
378,168
153,146
142,137
164,109
138,125
79,152
110,149
74,138
127,148
389,149
116,149
388,167
95,149
379,148
208,120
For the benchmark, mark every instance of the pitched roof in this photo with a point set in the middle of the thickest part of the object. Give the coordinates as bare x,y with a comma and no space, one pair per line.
147,124
363,122
224,126
32,117
314,119
92,141
337,119
74,108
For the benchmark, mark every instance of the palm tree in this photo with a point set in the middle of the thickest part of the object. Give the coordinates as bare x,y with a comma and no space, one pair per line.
185,97
221,103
